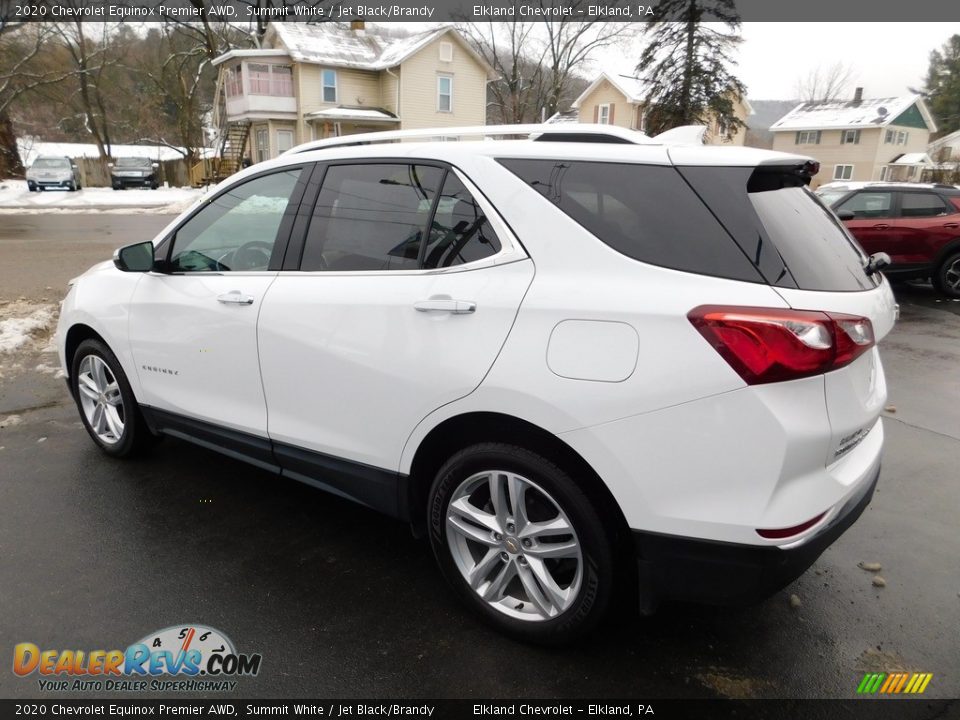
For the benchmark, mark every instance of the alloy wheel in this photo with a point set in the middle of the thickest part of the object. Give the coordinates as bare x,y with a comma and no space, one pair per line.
514,545
101,399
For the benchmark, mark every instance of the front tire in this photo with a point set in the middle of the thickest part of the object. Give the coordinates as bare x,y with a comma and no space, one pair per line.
946,279
521,543
106,403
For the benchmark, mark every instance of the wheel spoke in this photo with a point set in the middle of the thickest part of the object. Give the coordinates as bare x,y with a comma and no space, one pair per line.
113,421
497,498
481,571
87,386
494,590
534,593
471,532
464,508
557,526
553,550
517,489
97,422
112,393
557,597
99,373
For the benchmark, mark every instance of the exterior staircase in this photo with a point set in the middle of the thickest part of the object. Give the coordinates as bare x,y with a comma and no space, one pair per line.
231,147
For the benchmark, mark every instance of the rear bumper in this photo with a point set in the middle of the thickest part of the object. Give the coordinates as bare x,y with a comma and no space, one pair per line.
722,573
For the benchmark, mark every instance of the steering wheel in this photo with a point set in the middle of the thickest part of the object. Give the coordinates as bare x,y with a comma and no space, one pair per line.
254,255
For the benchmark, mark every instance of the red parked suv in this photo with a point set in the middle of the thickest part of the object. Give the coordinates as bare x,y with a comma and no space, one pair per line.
917,225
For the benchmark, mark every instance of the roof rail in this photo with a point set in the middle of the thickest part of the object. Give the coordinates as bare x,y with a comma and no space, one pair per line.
564,132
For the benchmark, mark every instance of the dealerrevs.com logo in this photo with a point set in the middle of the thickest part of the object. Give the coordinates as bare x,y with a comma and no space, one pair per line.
181,658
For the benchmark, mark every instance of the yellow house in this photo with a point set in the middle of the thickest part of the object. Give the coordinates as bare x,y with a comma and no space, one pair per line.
613,99
859,139
310,81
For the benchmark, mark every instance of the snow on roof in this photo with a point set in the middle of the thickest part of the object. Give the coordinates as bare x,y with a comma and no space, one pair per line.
842,114
633,89
353,113
917,158
566,116
30,150
338,46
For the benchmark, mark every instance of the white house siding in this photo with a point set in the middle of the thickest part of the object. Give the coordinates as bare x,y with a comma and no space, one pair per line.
418,93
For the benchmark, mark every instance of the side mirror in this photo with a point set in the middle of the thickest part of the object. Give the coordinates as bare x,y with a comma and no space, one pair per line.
134,258
846,215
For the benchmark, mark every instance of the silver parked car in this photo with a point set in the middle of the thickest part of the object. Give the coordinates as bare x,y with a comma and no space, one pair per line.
53,172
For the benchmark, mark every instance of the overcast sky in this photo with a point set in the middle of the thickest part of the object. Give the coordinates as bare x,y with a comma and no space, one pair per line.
885,58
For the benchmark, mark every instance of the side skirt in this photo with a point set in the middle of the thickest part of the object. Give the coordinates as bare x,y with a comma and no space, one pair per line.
374,487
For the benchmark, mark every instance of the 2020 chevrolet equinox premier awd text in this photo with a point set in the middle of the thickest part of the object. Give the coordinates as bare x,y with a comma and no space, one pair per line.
576,366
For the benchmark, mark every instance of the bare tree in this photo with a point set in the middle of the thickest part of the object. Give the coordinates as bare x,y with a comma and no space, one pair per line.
538,63
517,93
825,83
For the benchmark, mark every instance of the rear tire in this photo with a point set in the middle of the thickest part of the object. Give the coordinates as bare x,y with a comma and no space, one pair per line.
532,558
106,403
946,279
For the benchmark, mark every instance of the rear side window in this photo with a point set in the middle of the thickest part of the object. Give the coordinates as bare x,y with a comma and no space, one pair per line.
921,205
788,233
371,217
646,212
460,232
869,205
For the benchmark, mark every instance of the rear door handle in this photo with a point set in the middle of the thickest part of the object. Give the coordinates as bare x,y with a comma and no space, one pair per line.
881,226
454,307
235,297
951,225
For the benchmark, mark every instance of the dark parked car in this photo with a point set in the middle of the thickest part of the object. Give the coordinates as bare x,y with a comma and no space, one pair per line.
53,172
134,172
917,225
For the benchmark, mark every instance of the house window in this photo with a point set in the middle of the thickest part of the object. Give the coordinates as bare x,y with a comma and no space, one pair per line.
603,114
259,79
444,93
284,141
234,81
808,137
281,81
446,52
263,145
896,137
842,172
850,137
329,80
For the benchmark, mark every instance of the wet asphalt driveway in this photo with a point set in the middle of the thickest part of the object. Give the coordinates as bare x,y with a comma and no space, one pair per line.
341,602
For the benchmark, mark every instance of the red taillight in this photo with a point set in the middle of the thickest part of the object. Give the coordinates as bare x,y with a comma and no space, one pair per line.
767,345
780,533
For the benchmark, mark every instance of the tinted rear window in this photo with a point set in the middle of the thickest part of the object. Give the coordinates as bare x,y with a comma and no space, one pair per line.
646,212
789,234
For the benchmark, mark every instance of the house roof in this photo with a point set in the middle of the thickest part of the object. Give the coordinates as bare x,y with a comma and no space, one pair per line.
917,158
634,89
565,116
336,45
945,141
851,114
343,112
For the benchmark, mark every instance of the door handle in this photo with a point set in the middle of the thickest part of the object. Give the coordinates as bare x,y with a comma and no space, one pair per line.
881,226
454,307
951,225
235,297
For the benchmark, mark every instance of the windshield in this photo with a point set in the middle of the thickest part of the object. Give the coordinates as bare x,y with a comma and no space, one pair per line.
129,162
51,163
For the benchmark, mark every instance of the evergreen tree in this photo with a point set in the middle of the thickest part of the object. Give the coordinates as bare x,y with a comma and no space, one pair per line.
687,64
942,89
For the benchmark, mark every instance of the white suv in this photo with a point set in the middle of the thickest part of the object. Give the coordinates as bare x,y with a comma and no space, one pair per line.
580,367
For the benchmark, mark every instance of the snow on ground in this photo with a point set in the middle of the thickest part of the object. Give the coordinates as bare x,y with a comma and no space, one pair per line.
21,321
14,197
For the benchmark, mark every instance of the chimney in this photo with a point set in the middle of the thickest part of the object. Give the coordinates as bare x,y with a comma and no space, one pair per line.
858,95
358,25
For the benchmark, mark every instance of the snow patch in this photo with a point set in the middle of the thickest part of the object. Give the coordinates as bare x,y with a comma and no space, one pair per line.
54,370
11,421
15,197
17,329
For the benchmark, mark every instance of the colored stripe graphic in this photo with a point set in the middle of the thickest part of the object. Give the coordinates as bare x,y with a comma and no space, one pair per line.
894,683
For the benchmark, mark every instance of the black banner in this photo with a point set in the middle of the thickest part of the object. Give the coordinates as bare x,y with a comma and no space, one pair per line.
853,11
349,709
